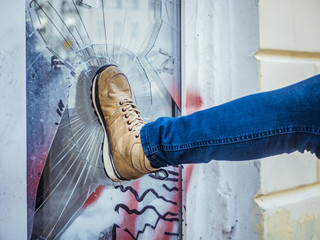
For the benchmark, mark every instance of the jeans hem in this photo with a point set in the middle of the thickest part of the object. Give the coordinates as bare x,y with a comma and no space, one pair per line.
236,139
144,136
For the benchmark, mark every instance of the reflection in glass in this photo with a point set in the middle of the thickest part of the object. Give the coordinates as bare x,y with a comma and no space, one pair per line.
67,41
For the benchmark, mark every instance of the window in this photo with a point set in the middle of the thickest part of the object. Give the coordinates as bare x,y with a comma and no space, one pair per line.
67,41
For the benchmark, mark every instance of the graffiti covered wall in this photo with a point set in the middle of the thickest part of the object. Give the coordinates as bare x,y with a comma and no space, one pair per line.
69,196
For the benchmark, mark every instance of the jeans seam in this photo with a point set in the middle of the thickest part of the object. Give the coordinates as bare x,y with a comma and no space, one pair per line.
238,139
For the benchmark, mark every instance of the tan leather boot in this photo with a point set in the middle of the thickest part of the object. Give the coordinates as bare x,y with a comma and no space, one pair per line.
121,122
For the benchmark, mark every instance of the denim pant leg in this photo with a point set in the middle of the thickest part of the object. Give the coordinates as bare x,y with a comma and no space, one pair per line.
252,127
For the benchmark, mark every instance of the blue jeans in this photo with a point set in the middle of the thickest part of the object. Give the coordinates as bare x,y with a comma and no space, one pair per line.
252,127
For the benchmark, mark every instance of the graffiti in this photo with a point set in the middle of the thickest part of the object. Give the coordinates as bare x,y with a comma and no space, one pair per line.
55,63
143,195
60,108
170,189
162,60
73,181
150,215
160,217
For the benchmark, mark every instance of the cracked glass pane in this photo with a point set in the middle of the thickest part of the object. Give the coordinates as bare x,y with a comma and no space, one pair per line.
68,191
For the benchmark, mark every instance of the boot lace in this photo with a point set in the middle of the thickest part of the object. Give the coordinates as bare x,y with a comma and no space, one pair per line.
133,115
136,123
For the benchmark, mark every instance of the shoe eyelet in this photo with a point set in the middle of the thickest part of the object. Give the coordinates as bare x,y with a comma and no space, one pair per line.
126,116
137,136
128,123
130,129
121,103
123,110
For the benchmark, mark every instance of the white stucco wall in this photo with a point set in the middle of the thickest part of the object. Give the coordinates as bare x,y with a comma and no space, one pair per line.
220,39
13,201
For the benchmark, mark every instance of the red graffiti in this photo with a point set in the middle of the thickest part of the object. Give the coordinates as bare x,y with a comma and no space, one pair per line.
165,228
94,196
193,102
175,92
129,221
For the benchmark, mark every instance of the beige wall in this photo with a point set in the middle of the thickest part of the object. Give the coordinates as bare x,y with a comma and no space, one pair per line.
289,195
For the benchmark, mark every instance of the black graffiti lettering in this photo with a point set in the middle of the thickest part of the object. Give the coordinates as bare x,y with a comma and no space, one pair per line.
143,195
55,62
170,189
164,217
60,108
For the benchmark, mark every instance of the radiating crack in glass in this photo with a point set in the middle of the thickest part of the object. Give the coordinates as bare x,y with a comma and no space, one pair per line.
121,36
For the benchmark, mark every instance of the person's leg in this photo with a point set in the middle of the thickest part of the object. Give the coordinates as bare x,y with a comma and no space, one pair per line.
252,127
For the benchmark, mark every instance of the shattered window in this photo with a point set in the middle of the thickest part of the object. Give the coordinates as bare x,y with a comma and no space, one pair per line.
69,195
